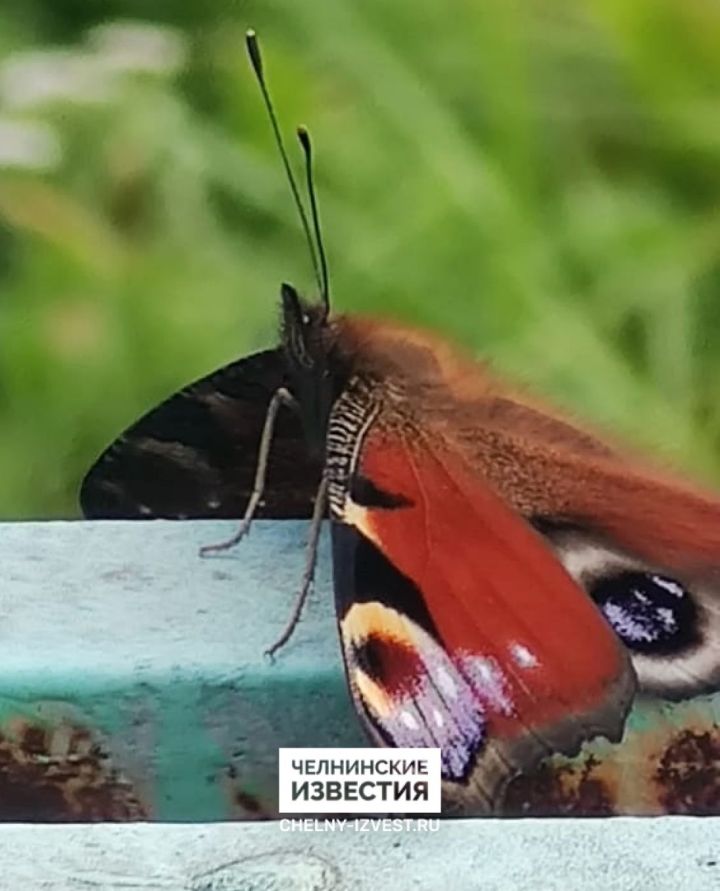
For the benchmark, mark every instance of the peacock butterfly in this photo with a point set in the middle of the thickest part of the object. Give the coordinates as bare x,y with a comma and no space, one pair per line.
505,582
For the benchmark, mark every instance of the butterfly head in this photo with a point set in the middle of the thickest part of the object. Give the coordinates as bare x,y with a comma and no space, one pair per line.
306,338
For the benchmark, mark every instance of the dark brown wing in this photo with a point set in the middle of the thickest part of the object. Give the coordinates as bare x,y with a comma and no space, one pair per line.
195,454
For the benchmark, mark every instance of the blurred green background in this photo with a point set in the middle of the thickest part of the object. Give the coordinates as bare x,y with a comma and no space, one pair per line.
539,179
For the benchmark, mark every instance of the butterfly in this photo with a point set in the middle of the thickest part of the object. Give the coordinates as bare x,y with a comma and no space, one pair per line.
506,583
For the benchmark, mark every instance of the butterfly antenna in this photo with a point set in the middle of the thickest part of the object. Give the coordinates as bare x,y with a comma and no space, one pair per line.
253,48
306,144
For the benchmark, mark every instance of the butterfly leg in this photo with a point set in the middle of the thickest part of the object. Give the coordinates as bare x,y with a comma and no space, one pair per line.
280,397
309,574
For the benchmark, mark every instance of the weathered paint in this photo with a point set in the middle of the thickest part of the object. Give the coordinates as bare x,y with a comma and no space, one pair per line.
147,661
121,631
667,762
61,773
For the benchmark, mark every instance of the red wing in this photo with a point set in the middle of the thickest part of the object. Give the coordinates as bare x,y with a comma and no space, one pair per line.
644,546
460,627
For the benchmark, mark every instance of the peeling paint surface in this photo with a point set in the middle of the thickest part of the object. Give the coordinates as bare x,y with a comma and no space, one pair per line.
136,689
558,788
667,763
61,774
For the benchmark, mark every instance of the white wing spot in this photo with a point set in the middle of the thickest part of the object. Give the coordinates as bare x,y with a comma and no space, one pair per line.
446,683
669,585
489,682
409,721
438,718
522,656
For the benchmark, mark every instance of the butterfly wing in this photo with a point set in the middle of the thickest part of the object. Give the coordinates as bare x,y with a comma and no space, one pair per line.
195,455
645,547
460,628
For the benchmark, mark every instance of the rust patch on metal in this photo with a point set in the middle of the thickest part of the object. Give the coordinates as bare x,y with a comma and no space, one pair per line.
667,763
579,788
688,773
244,805
250,805
61,774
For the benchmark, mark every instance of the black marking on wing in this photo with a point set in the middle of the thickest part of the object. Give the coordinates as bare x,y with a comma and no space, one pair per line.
364,492
363,574
195,455
553,526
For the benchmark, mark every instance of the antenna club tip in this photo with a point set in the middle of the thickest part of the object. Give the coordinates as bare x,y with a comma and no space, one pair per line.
303,135
253,49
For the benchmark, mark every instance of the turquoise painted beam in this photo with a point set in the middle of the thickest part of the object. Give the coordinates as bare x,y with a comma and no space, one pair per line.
133,685
132,677
625,854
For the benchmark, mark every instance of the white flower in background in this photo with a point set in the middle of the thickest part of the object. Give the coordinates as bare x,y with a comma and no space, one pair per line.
28,79
138,47
29,145
94,74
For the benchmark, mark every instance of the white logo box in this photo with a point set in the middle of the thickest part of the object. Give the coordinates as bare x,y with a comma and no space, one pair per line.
359,781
